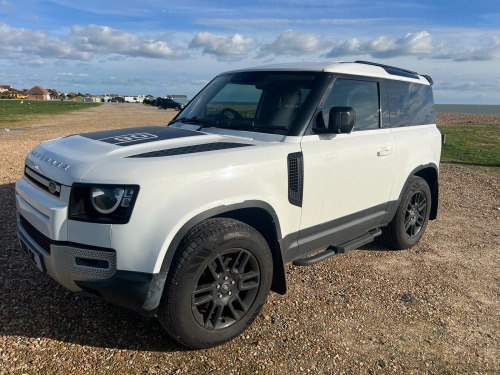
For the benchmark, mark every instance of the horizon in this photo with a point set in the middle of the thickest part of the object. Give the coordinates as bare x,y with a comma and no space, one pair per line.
158,49
188,97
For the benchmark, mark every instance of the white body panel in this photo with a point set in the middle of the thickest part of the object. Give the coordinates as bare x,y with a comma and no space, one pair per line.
172,191
339,174
417,145
180,187
46,213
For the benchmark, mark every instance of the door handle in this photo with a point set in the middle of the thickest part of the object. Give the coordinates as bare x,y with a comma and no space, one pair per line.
384,151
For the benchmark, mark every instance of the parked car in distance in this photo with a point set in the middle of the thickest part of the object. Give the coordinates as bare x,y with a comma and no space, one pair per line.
164,103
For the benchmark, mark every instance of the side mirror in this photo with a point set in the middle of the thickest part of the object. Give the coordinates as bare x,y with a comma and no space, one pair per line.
340,120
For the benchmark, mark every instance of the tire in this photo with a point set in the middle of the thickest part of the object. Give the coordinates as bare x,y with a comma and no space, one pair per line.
412,216
177,109
218,282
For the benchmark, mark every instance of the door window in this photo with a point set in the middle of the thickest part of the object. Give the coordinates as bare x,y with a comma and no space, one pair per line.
362,96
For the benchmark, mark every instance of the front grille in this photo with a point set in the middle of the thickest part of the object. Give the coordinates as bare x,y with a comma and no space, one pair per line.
295,178
39,238
42,182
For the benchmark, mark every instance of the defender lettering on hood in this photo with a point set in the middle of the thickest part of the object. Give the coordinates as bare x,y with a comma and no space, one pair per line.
134,136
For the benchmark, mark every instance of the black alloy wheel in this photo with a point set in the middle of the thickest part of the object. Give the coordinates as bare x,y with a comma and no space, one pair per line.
218,282
415,215
226,288
412,215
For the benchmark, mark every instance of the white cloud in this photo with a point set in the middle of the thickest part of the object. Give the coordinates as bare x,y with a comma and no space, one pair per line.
23,44
36,63
223,47
94,44
105,40
477,84
6,4
30,46
69,79
412,44
293,43
199,82
72,74
485,47
249,23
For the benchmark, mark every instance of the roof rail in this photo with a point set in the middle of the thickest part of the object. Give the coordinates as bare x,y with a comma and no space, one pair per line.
396,71
428,78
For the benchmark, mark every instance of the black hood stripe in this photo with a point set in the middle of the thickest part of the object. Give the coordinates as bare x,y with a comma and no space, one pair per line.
190,149
135,136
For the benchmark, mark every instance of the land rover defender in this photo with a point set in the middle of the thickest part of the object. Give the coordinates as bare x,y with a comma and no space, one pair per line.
193,222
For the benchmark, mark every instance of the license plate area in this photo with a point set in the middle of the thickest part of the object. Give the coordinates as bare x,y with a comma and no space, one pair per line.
32,254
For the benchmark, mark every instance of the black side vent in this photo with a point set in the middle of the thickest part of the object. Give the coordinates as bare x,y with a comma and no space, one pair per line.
295,178
190,149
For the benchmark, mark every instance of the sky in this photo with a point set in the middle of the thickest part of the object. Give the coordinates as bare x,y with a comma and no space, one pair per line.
163,47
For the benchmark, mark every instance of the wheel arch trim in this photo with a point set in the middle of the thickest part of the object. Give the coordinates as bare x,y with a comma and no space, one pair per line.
433,182
279,280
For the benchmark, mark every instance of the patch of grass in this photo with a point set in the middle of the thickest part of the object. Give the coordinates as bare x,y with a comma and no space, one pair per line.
14,111
475,145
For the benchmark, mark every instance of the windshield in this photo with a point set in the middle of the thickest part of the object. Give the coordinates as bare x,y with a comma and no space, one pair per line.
268,102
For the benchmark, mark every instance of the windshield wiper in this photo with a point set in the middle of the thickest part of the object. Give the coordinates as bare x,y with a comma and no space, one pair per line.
228,124
271,127
191,120
249,125
233,125
194,120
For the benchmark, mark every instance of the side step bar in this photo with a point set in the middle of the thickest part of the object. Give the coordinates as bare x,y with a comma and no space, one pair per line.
340,249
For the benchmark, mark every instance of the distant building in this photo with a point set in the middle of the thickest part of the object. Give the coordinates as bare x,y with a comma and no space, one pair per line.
38,93
5,88
71,95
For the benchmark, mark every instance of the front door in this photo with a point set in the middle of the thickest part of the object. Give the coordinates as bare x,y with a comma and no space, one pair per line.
347,177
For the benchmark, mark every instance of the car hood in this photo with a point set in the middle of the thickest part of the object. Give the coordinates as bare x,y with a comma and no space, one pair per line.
69,159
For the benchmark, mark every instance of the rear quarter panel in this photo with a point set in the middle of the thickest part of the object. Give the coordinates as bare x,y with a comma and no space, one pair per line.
416,146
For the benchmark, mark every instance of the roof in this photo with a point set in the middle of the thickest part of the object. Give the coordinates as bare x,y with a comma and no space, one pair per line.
362,68
37,90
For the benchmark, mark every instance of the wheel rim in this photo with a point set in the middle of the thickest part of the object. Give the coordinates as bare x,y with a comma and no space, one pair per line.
226,289
415,214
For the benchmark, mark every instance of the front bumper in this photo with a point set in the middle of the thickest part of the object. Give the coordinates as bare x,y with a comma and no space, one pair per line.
91,271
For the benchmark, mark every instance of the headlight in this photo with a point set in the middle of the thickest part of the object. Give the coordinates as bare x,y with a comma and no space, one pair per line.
104,200
102,203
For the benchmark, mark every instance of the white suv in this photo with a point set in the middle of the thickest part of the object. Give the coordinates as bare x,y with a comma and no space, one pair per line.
193,222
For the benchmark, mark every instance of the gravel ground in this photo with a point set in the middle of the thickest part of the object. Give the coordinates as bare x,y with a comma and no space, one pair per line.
444,118
431,309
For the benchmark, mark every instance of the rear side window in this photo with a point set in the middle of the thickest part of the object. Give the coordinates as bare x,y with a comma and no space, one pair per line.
410,104
362,96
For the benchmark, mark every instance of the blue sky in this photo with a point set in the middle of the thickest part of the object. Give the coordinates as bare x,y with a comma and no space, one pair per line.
161,47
